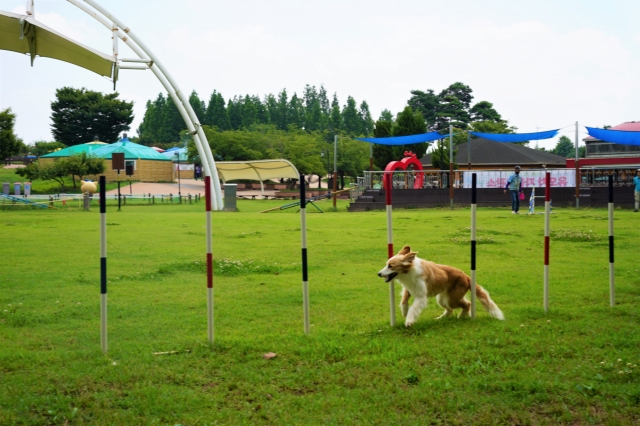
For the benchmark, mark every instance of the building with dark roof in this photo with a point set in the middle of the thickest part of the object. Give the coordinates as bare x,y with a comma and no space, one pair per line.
487,154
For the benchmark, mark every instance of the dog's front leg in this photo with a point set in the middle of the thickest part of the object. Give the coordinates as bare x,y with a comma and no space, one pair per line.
419,303
404,304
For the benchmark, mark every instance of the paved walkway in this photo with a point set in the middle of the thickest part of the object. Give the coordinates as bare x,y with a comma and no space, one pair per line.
187,186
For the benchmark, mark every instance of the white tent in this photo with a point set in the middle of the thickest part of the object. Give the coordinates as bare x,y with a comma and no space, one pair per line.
259,170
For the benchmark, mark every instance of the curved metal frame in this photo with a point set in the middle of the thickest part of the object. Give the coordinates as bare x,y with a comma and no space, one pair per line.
115,25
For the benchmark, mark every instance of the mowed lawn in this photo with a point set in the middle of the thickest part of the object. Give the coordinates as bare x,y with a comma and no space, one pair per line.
575,364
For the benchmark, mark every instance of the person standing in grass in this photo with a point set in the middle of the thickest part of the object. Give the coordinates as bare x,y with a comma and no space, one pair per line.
514,186
636,192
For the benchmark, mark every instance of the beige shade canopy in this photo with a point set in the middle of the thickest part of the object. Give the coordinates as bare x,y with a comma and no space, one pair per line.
23,34
256,170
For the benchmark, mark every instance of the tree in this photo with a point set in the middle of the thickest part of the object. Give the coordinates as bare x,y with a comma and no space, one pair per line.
409,122
151,130
351,124
295,113
564,147
198,106
365,118
216,113
249,112
386,115
172,123
43,147
460,91
484,111
234,109
83,165
440,155
382,154
79,115
425,102
76,165
335,118
282,110
10,144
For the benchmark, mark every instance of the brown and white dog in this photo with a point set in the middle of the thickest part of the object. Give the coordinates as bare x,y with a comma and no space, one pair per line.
422,279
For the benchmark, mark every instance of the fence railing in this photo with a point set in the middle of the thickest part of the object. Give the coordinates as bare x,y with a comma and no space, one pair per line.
412,179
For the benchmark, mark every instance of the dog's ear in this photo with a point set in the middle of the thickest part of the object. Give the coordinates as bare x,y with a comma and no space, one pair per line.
405,250
409,257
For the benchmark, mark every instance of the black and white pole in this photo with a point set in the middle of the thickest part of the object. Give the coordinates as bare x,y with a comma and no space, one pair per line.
612,288
207,200
547,216
388,184
305,277
103,265
473,244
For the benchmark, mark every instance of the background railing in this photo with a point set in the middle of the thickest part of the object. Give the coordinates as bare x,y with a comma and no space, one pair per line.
406,179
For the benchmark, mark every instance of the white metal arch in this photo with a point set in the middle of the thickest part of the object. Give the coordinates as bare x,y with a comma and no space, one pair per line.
151,61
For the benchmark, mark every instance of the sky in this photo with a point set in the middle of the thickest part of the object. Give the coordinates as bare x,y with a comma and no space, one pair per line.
544,64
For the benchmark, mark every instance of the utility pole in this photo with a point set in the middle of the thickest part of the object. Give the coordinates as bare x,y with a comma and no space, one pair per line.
451,165
577,172
335,169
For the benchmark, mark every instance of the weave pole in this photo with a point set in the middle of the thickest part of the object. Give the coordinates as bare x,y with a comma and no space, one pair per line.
473,244
612,287
103,264
207,202
305,276
388,178
547,216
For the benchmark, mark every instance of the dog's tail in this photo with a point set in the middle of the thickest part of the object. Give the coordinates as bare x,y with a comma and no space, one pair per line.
489,305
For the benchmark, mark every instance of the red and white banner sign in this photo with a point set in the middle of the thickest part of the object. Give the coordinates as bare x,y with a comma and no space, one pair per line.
530,178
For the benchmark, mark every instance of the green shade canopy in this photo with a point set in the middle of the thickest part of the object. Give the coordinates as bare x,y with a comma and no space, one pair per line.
74,150
23,34
131,151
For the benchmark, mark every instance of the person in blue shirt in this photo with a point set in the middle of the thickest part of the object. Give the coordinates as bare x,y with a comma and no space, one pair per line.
514,186
636,192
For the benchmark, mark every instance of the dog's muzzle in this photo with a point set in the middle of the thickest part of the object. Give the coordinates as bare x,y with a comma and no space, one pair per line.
388,277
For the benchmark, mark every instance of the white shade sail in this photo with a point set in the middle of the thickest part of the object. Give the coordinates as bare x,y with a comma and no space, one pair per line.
256,170
23,34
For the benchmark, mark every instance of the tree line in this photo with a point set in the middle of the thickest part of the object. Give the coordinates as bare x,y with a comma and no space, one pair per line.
312,112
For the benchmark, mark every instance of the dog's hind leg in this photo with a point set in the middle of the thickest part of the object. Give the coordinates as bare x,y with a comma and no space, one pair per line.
404,303
443,301
419,303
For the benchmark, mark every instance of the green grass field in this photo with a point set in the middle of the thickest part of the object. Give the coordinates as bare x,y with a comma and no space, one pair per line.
574,365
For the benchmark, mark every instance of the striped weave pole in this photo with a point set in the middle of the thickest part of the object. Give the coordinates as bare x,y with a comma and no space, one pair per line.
392,293
207,195
473,244
612,288
547,216
305,277
103,265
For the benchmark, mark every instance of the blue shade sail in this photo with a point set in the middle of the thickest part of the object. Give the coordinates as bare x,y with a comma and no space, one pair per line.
622,137
517,137
406,140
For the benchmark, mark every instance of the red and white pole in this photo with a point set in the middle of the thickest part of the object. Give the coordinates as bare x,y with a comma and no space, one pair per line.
207,195
103,265
547,216
388,178
305,275
473,244
612,287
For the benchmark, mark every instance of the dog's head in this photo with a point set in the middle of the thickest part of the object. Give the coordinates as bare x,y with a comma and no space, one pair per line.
398,264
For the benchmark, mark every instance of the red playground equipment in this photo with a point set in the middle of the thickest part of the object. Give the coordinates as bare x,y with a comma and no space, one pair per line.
409,162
